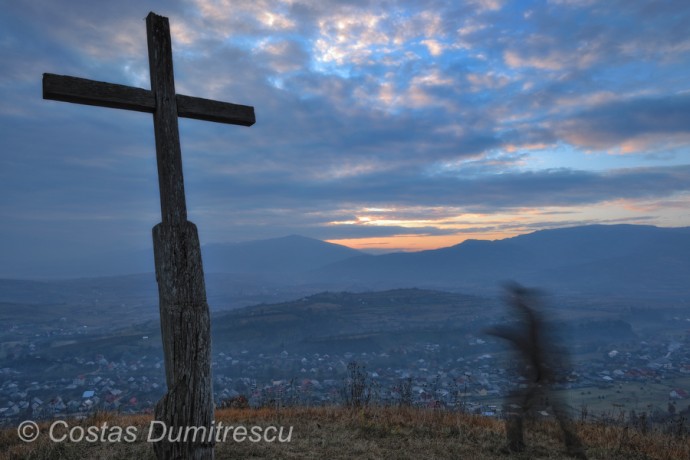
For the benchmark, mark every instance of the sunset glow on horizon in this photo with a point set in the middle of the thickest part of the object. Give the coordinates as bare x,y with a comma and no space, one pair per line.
412,243
458,227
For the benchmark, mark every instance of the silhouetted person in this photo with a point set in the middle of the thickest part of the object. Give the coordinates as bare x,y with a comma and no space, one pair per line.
539,369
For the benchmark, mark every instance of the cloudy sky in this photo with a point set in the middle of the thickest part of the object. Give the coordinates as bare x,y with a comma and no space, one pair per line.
384,125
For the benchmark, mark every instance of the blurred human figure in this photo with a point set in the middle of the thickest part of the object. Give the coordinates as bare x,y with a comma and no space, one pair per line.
541,361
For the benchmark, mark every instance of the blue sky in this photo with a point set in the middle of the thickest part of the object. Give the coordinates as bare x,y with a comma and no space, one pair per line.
385,125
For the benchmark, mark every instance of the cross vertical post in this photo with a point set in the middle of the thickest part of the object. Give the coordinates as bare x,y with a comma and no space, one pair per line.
167,134
184,312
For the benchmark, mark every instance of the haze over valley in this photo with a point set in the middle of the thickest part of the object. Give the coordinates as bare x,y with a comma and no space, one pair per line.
304,309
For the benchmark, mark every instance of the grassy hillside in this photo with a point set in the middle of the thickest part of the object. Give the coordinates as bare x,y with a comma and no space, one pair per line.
332,320
380,433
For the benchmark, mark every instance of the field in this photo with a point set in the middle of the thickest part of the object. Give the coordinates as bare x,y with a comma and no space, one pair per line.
368,433
621,397
628,396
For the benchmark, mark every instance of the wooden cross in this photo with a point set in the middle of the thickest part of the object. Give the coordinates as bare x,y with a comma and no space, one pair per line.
165,105
185,321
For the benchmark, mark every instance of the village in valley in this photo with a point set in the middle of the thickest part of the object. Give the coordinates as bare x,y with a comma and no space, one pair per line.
472,375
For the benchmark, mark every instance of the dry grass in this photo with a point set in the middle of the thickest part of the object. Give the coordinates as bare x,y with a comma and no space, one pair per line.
370,433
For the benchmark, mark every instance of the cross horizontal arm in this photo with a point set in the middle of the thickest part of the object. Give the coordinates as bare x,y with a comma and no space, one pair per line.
90,92
209,110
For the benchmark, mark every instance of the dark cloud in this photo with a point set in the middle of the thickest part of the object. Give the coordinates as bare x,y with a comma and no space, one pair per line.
427,108
561,187
610,125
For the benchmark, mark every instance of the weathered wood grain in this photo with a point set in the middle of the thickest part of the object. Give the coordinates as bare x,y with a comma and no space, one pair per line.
97,93
165,128
90,92
210,110
185,328
185,321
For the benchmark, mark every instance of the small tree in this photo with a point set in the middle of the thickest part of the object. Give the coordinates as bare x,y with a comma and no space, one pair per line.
357,390
406,392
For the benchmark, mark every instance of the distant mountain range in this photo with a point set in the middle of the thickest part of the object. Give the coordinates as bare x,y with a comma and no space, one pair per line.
595,258
287,255
626,259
